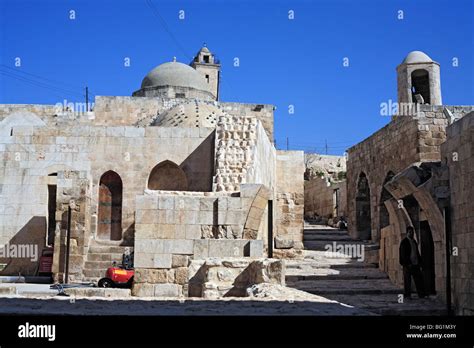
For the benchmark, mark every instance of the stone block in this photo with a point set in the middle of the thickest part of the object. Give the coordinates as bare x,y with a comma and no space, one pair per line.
166,202
162,261
255,248
167,290
155,276
179,261
193,231
226,247
179,246
207,204
201,249
143,290
283,243
181,275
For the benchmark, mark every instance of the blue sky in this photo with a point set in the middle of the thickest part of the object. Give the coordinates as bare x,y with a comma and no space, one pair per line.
283,62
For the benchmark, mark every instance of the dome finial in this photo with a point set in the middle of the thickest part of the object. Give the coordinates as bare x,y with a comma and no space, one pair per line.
204,44
174,59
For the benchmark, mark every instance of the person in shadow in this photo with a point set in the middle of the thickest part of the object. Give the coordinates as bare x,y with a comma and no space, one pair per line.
411,261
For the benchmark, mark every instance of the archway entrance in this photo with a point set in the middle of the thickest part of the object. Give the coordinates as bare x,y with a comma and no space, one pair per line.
363,215
167,176
110,207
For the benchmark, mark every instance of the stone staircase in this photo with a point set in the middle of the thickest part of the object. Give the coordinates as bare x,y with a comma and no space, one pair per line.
346,279
99,258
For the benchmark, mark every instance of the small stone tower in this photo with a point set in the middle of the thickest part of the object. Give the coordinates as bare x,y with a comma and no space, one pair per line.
418,75
207,65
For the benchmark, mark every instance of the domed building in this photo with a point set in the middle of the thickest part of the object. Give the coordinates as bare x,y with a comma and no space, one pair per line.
172,172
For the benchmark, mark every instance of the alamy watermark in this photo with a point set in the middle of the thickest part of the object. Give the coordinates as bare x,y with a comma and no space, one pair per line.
393,108
19,251
354,251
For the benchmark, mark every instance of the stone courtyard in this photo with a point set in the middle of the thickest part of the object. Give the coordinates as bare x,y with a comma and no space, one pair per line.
214,213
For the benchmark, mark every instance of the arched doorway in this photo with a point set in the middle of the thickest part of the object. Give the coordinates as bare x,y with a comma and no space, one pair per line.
384,218
420,84
363,215
110,207
167,176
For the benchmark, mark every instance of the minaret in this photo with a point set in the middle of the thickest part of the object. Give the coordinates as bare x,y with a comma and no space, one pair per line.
419,80
207,65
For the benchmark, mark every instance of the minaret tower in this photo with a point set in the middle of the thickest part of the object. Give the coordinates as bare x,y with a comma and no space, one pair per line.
207,65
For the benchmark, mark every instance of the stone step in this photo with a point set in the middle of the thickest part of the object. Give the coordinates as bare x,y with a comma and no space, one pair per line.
102,265
330,274
322,245
93,273
328,237
322,287
334,232
107,249
318,265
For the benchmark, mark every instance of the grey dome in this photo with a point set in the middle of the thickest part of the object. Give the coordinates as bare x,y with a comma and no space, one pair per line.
417,57
175,74
191,114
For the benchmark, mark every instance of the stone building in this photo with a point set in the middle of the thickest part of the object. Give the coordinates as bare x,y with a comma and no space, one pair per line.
325,187
172,172
417,171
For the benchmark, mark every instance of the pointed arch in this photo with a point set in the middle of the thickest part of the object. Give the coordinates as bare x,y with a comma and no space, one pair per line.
167,176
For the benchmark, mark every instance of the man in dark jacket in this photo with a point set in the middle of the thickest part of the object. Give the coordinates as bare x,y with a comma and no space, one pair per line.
411,261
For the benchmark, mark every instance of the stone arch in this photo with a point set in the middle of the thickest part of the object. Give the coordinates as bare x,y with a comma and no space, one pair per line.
420,84
110,206
363,208
384,217
167,176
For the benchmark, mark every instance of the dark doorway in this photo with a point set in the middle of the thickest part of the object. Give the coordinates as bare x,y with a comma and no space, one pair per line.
110,207
420,82
270,228
363,215
52,193
427,257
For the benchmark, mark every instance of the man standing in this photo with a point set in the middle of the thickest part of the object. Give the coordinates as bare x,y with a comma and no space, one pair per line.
410,260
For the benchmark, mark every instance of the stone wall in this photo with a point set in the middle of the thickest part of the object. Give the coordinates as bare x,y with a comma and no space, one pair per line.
403,141
319,198
330,166
172,226
289,205
214,278
458,152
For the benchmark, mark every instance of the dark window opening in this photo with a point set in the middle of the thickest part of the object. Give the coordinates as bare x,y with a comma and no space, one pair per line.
420,82
11,132
180,95
52,194
207,78
206,59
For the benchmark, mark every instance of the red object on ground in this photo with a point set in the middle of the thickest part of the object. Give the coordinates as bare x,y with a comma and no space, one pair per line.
117,277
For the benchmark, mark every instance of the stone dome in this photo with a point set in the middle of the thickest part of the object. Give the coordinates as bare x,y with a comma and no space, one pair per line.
175,74
195,113
417,57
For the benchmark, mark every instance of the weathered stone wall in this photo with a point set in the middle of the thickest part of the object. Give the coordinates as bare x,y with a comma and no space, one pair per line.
319,198
186,226
289,205
330,166
458,152
230,277
403,141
